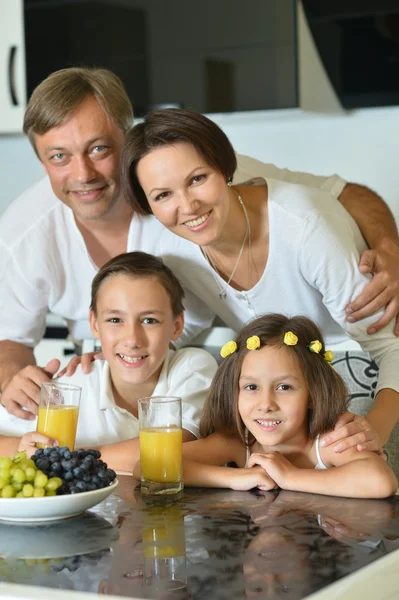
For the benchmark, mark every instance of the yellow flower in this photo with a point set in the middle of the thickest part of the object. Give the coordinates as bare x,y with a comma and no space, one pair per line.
315,346
253,342
228,349
329,355
290,339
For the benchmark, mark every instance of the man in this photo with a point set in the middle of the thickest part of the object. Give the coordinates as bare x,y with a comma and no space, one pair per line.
56,235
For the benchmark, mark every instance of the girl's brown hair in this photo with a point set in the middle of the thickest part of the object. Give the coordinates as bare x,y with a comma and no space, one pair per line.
328,395
140,264
166,128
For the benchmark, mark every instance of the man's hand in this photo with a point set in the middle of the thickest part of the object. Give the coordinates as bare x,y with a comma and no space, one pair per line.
85,360
23,389
353,430
382,291
278,468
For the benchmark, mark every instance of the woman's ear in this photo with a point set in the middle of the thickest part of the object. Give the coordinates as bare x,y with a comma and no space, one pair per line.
94,325
178,327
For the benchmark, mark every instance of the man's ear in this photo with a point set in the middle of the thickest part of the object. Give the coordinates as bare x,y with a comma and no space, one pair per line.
94,325
178,327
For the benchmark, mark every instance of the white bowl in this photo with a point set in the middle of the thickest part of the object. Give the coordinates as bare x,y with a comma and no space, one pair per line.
51,508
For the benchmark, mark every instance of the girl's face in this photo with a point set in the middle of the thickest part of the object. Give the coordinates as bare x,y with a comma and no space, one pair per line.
273,398
134,322
185,194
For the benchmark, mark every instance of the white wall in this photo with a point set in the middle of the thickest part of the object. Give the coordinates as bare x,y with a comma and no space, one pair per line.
361,146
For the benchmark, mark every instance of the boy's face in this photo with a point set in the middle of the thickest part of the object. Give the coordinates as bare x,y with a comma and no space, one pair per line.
135,322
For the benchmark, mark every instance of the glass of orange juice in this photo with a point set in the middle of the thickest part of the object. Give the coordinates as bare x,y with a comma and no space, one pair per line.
58,412
160,445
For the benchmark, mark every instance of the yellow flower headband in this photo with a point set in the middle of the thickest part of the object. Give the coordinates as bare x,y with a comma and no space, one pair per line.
290,339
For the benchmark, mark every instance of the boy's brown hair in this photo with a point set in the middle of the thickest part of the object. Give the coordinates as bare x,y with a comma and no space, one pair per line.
140,264
328,395
168,127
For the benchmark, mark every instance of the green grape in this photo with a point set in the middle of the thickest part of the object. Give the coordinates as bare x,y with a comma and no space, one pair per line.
27,490
17,485
20,494
2,483
18,475
5,475
8,491
5,462
30,473
40,479
53,484
27,463
39,492
51,493
18,457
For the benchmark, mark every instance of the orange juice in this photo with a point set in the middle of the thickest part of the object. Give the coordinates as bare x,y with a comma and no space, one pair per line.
161,454
59,422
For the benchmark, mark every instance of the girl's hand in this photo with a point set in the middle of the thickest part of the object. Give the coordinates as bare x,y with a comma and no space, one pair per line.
28,442
276,465
247,479
353,430
85,360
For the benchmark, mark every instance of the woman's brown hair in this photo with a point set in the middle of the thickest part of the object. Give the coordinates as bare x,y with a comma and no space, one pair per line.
140,264
166,128
328,395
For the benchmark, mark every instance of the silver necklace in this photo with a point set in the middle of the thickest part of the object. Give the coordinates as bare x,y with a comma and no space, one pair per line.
223,294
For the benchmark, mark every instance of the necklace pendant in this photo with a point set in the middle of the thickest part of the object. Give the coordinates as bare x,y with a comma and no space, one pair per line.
223,296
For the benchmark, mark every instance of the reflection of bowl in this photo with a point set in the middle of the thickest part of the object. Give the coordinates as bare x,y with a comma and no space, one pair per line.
51,508
87,533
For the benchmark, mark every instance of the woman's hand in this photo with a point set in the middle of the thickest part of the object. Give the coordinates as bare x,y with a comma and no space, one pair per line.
28,442
382,291
85,360
353,430
278,468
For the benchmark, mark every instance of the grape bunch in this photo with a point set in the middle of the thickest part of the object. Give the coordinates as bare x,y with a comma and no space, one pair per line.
20,478
79,470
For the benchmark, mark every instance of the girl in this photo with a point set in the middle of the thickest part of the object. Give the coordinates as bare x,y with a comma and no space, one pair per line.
136,311
272,397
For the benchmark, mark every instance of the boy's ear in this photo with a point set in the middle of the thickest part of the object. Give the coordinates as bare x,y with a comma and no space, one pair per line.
93,325
178,327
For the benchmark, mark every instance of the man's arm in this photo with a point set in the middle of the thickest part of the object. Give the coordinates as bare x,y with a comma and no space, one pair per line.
20,379
378,228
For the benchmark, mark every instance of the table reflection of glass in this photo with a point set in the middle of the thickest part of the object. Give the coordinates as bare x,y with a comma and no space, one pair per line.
204,544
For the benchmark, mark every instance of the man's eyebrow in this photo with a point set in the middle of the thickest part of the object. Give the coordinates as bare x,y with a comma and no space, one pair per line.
88,143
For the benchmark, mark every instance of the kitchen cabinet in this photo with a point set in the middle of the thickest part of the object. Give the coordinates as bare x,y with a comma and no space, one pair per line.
12,66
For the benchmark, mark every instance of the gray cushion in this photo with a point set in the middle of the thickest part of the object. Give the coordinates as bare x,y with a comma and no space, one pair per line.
360,374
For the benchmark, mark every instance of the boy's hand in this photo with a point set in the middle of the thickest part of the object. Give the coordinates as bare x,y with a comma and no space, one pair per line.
29,440
277,467
256,477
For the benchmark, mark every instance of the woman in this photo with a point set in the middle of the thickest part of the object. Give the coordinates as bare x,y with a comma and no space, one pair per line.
262,246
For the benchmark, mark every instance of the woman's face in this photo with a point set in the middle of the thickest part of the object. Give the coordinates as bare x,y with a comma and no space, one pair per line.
185,194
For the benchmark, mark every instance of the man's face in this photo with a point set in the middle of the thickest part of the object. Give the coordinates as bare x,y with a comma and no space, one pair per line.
81,159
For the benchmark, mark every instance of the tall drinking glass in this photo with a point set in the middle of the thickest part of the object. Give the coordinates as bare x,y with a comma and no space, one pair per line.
160,445
58,412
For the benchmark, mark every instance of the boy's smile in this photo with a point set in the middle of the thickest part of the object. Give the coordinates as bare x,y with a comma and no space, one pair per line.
135,323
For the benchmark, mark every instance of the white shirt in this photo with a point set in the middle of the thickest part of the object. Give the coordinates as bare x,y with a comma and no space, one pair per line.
186,373
45,266
311,270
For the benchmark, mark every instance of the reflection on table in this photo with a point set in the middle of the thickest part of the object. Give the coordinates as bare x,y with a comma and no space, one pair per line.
203,544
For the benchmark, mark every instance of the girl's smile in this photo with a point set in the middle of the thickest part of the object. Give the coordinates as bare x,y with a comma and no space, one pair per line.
273,398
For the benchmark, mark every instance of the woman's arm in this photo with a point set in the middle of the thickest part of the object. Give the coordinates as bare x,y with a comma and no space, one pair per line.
356,475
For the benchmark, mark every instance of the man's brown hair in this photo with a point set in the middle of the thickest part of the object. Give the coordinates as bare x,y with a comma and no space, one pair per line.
168,127
328,395
136,265
56,98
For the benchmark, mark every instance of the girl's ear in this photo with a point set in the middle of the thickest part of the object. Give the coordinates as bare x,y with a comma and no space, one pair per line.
178,326
94,325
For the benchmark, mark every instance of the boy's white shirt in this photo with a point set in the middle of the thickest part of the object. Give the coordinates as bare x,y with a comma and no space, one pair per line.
186,373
